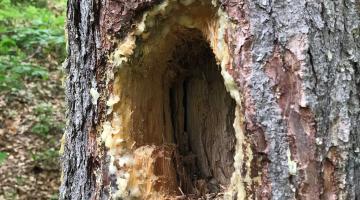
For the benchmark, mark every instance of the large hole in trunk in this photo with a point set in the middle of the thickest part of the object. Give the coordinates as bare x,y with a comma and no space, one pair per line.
172,124
202,116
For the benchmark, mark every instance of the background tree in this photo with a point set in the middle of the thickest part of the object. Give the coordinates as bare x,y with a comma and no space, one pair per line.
139,77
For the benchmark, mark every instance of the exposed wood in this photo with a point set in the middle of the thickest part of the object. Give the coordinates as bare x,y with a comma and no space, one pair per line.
291,69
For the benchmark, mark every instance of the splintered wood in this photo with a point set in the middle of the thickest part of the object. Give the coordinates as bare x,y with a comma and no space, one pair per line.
170,132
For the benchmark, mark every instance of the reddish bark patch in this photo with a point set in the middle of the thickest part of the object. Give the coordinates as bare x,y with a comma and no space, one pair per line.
241,42
329,174
283,69
261,189
119,15
329,181
117,18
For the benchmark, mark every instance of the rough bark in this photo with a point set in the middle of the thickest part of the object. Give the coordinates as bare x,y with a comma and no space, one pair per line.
296,67
79,159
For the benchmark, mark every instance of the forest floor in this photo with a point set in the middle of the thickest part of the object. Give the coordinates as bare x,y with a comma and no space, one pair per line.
32,102
31,168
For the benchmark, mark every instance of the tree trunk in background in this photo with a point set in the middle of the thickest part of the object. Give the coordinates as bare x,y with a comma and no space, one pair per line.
296,66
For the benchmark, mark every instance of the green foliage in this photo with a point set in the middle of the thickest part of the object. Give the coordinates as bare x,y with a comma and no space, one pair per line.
48,157
42,128
3,157
19,180
32,47
54,197
30,36
10,194
45,121
43,108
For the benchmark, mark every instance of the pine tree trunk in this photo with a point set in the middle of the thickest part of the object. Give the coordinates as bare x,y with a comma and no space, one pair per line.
217,100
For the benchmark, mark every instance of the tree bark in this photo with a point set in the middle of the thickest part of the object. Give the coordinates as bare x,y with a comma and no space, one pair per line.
294,76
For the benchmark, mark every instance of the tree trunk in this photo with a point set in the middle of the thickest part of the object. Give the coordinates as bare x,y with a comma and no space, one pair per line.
236,99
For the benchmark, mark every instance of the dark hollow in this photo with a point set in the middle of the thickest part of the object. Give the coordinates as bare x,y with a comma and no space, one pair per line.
202,116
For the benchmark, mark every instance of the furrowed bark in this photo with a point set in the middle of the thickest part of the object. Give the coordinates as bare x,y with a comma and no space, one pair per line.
291,68
80,159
